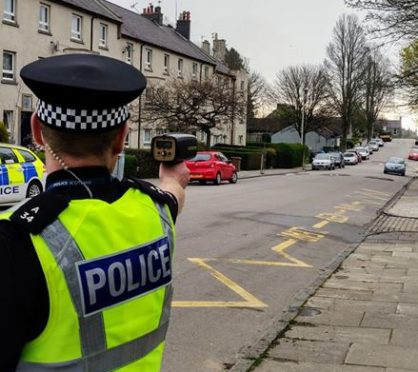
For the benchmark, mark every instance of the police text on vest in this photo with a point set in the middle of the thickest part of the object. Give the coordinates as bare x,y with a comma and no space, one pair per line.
111,280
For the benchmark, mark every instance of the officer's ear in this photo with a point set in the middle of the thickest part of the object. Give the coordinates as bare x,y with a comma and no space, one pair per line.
36,130
119,142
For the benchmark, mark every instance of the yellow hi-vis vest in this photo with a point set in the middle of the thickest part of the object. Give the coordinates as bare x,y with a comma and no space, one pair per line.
108,272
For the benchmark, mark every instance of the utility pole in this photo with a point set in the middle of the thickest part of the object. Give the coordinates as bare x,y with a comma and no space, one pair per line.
302,140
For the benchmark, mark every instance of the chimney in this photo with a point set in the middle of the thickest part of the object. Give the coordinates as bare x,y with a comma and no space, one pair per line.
184,24
206,47
153,14
219,49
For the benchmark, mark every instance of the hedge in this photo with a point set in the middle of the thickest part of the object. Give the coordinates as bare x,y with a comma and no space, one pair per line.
289,155
142,164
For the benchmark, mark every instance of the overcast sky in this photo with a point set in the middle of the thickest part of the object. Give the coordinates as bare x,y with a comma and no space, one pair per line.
272,34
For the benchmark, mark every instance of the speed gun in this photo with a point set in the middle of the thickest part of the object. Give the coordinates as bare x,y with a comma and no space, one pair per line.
174,147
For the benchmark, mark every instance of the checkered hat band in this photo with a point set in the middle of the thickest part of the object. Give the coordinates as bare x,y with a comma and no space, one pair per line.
78,120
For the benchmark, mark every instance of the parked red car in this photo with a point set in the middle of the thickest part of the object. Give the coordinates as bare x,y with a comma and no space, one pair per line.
211,166
413,154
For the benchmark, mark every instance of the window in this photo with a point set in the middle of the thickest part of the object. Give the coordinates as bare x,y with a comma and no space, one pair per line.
129,51
76,23
166,64
44,17
7,156
148,59
241,139
180,67
29,158
194,70
8,66
9,11
206,72
8,119
242,85
103,35
27,102
147,136
127,139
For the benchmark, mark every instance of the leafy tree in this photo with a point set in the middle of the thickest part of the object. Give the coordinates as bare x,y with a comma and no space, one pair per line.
395,19
346,60
234,60
4,134
409,72
190,106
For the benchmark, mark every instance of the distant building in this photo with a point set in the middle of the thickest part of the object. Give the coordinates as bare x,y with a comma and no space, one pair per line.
30,30
392,126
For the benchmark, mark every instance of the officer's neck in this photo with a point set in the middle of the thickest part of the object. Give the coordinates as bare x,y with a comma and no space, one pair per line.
53,164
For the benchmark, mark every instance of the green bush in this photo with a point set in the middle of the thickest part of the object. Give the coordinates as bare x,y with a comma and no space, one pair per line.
249,160
145,167
289,155
131,166
4,134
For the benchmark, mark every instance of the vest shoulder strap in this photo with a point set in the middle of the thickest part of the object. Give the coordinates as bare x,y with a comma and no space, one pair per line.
39,212
157,194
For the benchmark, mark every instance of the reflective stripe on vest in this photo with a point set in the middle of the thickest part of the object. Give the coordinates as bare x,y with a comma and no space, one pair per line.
95,356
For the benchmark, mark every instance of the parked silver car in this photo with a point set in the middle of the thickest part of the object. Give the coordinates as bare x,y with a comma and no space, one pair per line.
350,158
364,152
374,145
323,161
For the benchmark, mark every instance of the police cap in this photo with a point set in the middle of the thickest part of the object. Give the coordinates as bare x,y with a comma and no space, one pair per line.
83,92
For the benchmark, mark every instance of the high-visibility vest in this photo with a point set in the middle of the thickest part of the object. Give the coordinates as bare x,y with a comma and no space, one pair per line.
108,272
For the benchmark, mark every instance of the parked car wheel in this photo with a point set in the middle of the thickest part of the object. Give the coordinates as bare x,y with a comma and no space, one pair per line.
234,178
218,179
34,189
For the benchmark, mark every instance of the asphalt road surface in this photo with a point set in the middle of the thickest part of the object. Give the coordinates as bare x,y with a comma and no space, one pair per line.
245,251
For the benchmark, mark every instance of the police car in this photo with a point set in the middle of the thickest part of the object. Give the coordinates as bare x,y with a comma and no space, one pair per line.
22,174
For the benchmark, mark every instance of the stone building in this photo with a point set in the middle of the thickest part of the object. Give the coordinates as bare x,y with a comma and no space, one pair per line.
33,29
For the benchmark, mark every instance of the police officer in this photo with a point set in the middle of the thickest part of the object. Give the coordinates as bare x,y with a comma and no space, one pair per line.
86,269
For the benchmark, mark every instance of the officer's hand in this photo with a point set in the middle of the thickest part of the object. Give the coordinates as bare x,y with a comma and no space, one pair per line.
174,179
177,172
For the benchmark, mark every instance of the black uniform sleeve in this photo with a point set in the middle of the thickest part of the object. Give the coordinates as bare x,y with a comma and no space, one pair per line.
23,293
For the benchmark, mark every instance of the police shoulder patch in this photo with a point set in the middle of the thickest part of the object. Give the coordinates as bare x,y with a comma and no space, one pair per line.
39,212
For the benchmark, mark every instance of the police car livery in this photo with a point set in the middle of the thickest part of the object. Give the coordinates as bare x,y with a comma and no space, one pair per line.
22,174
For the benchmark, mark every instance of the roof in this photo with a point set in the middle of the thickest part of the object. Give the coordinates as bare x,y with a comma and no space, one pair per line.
91,6
390,124
137,27
266,125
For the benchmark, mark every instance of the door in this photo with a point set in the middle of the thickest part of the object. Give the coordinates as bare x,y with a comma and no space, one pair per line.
25,131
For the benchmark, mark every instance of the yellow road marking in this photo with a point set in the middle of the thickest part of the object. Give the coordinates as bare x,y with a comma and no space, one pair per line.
280,248
250,300
300,234
320,225
332,217
376,192
266,263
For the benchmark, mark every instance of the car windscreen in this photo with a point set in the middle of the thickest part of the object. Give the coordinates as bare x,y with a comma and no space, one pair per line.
396,161
322,157
201,157
349,154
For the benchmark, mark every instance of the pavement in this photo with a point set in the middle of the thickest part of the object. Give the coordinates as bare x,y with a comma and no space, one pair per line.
364,316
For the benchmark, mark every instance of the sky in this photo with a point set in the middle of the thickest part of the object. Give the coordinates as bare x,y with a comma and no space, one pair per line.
272,34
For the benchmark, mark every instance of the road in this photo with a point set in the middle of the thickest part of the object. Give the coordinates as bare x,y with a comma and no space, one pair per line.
245,251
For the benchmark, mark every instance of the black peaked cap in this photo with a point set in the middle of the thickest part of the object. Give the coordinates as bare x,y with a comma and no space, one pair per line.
83,81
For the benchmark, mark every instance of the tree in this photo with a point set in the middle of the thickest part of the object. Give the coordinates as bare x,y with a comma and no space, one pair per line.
190,105
257,93
299,88
4,134
396,19
409,73
346,60
234,60
377,88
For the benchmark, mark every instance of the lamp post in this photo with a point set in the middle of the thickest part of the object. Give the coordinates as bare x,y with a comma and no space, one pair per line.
302,140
